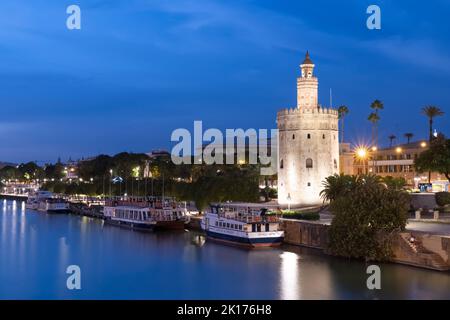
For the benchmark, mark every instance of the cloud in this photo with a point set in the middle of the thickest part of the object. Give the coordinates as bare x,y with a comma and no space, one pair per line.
421,53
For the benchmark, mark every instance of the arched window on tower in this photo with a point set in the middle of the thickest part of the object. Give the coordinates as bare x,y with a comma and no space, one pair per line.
281,164
309,163
309,136
335,164
293,137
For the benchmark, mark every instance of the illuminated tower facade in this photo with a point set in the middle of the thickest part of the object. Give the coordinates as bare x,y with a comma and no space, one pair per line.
308,143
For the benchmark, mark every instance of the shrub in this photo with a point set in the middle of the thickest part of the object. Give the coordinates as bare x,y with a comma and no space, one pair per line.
365,219
442,198
305,215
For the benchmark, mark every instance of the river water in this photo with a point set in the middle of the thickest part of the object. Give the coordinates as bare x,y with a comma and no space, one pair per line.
37,248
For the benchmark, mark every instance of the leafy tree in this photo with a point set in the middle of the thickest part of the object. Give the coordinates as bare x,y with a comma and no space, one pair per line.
54,171
442,198
30,170
366,215
9,172
436,158
394,183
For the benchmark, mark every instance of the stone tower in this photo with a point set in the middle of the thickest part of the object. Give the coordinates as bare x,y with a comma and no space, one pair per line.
308,143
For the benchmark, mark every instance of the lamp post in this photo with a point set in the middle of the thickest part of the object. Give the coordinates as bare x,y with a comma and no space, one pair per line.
361,153
374,160
110,183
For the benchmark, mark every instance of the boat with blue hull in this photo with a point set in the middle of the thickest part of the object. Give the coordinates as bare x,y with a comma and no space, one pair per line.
244,227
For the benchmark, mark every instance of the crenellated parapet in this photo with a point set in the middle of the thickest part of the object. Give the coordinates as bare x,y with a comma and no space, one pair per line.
314,111
307,119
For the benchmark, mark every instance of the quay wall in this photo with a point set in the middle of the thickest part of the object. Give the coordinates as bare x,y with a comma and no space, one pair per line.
305,233
428,250
13,197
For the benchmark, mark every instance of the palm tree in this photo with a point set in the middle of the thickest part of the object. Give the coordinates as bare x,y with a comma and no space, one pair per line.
376,106
392,138
342,112
340,185
337,185
408,136
431,112
374,118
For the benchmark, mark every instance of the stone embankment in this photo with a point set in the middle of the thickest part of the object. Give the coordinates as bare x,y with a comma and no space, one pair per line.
414,248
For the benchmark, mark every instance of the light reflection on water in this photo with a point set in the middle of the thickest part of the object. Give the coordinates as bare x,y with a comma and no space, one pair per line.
36,248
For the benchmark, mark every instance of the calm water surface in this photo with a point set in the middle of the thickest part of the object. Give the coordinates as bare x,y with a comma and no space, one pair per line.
36,248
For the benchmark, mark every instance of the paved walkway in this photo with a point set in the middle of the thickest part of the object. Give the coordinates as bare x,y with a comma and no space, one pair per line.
430,227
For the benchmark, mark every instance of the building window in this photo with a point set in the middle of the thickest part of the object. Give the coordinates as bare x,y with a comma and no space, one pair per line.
281,164
293,137
309,163
335,164
309,184
323,136
309,136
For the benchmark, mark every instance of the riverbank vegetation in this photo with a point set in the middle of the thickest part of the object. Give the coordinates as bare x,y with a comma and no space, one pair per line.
141,175
367,212
311,215
436,158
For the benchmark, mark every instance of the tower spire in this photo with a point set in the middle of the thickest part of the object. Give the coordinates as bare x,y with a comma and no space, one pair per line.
307,58
307,85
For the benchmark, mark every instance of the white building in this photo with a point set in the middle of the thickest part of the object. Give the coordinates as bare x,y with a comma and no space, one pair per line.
308,143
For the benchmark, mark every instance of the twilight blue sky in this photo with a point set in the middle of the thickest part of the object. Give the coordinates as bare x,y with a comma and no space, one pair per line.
139,69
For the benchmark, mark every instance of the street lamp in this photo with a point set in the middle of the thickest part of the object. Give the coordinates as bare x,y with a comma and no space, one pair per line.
361,153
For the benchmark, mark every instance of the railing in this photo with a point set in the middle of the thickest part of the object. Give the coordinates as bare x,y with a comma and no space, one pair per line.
252,219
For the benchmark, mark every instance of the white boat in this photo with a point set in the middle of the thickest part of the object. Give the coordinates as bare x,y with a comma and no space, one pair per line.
35,198
240,226
145,214
54,205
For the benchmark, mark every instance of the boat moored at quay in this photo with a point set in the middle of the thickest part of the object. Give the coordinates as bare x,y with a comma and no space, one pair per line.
46,201
35,198
142,213
54,205
242,226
